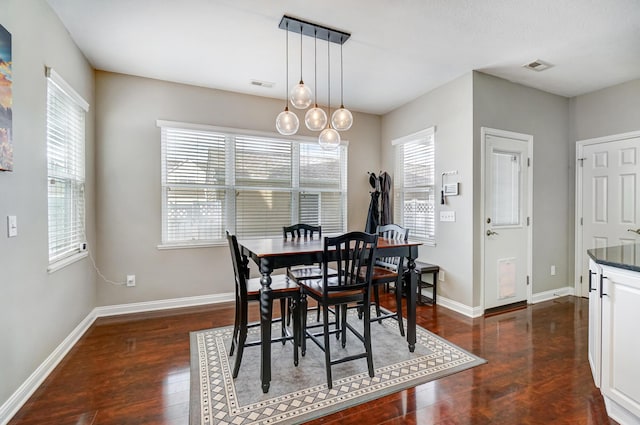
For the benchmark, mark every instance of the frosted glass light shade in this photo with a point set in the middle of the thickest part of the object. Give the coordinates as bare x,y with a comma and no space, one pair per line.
301,96
342,119
329,139
287,122
315,119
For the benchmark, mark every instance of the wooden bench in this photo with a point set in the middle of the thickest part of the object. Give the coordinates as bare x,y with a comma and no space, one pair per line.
423,269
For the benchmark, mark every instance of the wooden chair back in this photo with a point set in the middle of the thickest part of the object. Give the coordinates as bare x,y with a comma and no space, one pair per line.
301,230
352,254
393,232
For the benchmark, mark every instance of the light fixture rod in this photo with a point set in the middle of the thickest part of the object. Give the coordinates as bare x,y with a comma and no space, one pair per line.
310,29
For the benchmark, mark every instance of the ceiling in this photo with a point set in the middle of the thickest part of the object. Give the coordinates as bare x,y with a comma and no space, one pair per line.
398,50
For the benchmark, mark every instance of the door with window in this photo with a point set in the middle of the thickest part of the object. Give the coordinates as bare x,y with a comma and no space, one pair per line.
506,236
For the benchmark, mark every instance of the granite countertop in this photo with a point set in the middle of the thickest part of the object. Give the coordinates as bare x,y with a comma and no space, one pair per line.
621,256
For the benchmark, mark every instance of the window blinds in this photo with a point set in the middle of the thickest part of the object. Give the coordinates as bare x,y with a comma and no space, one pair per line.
414,185
66,168
220,179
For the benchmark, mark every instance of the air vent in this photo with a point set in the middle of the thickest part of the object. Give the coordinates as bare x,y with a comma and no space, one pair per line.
259,83
538,65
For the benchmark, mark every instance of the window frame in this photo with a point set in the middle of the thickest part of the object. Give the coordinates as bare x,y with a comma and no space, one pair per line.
230,185
426,137
72,172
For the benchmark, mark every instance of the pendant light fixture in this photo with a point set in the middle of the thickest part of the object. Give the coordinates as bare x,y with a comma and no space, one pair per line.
287,122
329,138
342,119
315,118
301,96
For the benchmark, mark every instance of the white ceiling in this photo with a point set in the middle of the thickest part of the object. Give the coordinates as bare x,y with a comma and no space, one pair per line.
398,50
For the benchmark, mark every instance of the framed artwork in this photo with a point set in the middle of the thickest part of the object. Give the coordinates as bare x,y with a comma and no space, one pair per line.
6,98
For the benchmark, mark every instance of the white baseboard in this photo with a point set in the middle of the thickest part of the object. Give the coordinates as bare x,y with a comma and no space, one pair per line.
9,408
552,294
460,308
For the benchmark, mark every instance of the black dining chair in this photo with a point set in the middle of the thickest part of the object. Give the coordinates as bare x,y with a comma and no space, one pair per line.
248,290
308,271
353,254
389,270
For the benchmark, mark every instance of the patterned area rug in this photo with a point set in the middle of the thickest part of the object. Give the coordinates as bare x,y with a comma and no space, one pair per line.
298,394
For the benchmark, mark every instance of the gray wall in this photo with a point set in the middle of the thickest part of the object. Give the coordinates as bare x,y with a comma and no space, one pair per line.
128,188
37,309
503,105
449,109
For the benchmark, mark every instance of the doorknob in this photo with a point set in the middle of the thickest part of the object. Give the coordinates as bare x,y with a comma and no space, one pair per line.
634,231
491,232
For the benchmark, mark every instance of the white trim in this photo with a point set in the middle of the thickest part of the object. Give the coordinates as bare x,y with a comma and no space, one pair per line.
578,242
193,245
460,308
418,135
60,264
10,407
618,412
239,131
552,294
66,87
484,131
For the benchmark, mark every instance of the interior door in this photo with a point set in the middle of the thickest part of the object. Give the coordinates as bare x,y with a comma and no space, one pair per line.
610,199
505,234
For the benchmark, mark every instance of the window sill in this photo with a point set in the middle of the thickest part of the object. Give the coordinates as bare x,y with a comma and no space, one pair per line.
60,264
167,246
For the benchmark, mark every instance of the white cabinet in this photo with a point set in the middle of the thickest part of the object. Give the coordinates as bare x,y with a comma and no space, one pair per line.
620,342
595,315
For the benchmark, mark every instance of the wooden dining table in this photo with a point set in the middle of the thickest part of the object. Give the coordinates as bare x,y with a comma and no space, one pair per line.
278,253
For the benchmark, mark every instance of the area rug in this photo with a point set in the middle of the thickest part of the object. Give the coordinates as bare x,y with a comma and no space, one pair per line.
299,394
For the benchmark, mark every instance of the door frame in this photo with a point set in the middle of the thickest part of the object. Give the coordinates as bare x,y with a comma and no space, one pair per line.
578,236
527,138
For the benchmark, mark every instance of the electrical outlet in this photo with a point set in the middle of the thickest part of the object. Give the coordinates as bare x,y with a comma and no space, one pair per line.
131,280
553,270
441,275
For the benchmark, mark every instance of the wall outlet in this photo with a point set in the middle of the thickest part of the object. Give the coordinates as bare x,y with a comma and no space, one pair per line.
131,280
553,270
441,275
12,226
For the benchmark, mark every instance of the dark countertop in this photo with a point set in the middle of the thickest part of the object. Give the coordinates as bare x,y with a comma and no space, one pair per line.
621,256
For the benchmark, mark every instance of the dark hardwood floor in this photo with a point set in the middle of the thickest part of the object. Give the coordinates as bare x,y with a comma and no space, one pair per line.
134,369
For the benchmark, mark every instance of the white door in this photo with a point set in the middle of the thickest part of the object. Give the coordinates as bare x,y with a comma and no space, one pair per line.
506,236
610,199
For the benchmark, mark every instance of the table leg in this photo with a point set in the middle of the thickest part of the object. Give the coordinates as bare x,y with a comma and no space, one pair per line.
266,306
411,305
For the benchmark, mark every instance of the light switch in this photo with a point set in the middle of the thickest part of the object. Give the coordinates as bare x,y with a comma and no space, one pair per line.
12,226
447,216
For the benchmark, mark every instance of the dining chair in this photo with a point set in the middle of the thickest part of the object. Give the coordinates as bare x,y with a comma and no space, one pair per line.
248,290
353,254
388,270
308,271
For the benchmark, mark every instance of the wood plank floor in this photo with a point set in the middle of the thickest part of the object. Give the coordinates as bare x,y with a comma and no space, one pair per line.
134,369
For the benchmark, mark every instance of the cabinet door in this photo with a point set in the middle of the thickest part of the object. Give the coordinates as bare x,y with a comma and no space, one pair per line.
595,327
620,341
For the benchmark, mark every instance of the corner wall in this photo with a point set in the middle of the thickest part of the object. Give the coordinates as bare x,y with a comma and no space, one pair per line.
38,310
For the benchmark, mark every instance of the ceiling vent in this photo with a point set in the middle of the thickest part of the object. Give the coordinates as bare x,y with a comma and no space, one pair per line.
259,83
537,65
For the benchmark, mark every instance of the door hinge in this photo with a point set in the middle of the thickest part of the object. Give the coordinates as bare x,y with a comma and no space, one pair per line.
527,279
581,221
528,221
580,279
581,160
528,162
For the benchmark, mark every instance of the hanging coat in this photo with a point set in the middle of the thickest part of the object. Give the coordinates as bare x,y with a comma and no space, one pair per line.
385,188
372,215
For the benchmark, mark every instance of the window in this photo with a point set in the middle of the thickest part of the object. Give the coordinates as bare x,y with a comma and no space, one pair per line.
65,163
216,179
414,186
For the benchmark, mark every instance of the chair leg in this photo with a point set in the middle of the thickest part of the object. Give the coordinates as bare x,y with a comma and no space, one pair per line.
283,316
343,322
303,325
294,306
236,327
376,296
337,315
367,338
327,349
241,341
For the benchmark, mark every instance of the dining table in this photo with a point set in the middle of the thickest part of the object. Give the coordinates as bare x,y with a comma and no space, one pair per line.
271,254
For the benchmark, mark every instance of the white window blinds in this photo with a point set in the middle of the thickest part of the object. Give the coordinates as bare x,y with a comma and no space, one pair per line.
215,180
66,168
414,185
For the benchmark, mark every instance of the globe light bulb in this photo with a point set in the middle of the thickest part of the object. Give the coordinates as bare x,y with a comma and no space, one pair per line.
329,139
301,96
342,119
315,119
287,122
